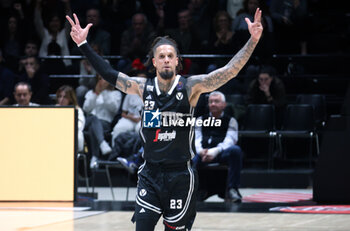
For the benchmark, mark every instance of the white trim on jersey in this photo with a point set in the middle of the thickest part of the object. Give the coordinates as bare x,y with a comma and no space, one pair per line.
156,85
146,205
191,134
141,132
180,215
177,78
142,165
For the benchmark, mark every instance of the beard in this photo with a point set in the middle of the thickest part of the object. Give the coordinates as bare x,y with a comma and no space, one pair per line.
166,74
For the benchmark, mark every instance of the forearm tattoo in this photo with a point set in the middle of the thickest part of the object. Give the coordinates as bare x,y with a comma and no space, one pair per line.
219,77
123,83
130,85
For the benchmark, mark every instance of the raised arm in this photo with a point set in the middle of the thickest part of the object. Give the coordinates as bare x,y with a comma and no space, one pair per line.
198,84
120,80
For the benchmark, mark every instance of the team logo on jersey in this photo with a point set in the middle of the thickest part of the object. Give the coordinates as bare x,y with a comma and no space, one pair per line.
179,96
143,192
179,86
164,136
152,119
149,88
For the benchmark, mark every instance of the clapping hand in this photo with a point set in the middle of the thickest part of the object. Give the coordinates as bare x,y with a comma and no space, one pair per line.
77,33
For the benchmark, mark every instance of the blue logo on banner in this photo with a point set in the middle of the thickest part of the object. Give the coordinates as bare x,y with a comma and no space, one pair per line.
151,119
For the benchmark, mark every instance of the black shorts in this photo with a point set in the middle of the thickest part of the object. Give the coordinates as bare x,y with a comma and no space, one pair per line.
168,190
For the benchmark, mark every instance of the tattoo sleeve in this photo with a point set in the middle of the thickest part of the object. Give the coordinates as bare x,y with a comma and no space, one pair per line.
130,85
219,77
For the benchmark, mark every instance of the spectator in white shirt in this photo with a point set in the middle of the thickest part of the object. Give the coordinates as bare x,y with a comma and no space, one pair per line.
102,105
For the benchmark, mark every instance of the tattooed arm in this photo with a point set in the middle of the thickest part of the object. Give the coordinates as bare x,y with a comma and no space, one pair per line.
205,83
130,85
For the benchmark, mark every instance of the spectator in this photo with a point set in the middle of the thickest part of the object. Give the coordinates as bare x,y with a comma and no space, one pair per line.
30,49
97,34
218,144
187,37
7,82
87,83
102,105
268,89
135,41
131,116
162,13
233,7
117,17
220,41
11,42
202,12
266,46
23,94
65,96
38,80
54,66
54,31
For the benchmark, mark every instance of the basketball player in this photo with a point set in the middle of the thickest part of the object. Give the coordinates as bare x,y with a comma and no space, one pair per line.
167,185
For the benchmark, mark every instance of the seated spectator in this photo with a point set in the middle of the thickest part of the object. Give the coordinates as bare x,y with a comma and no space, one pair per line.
54,66
202,12
37,79
219,144
233,7
97,35
188,40
220,40
162,13
65,96
23,94
7,82
268,89
11,42
30,49
135,42
102,105
186,34
53,32
87,83
265,48
131,116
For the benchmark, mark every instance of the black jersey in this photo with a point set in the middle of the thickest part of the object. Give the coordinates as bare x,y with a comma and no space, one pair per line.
167,123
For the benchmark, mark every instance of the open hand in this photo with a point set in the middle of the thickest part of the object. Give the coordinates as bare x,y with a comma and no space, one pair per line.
255,28
77,33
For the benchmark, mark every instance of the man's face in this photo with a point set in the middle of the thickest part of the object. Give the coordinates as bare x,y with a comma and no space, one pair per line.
93,16
252,5
216,104
138,24
31,63
165,61
55,24
184,19
22,95
31,49
265,79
